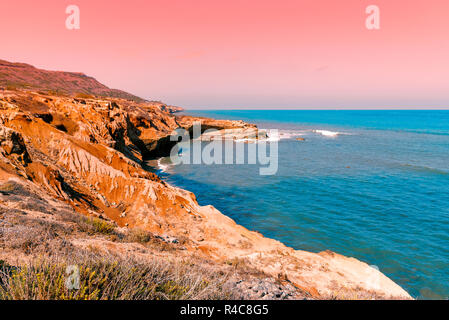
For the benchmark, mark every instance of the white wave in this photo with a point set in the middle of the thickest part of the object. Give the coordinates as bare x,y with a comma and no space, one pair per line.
264,136
277,135
327,133
162,167
284,134
270,135
273,138
291,134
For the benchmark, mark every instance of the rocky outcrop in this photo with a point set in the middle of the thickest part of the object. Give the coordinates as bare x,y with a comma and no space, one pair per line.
212,129
90,154
13,152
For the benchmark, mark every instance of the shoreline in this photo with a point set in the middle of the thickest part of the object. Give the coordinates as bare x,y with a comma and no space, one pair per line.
160,168
80,159
397,263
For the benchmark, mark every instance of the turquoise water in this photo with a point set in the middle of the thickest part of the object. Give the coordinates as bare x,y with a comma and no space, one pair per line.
378,190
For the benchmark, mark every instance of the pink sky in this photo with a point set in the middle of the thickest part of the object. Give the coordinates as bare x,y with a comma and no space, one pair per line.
261,54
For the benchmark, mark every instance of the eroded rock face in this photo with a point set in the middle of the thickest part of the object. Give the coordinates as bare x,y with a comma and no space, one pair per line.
13,152
89,154
12,143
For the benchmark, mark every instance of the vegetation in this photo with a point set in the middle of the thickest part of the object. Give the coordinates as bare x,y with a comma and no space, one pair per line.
95,226
83,95
52,262
139,236
13,86
89,225
106,278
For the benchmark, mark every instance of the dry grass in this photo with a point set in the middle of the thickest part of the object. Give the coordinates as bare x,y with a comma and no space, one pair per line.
14,86
89,225
32,235
149,240
95,226
108,278
82,95
37,241
40,251
139,236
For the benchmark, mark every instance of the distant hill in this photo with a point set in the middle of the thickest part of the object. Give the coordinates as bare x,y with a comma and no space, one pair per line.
25,76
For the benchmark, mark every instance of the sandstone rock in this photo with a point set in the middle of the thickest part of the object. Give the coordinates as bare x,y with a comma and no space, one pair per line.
13,146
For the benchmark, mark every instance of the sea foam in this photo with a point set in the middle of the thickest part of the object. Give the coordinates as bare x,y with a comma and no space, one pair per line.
327,133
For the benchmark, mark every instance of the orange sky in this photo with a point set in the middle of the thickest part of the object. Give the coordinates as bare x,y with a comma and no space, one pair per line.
261,54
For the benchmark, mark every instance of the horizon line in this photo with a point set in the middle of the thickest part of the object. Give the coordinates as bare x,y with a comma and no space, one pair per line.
317,109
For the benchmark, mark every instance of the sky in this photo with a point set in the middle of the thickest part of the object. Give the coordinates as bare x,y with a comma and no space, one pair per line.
275,54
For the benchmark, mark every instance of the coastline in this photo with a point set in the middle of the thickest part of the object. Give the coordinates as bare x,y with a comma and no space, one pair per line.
367,282
362,194
362,268
113,186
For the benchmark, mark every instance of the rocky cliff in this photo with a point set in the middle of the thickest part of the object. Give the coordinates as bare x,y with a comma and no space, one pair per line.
72,148
89,155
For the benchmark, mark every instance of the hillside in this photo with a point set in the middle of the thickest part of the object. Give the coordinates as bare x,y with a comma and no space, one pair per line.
21,75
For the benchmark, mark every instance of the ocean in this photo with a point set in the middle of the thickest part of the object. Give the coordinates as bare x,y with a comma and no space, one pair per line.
373,185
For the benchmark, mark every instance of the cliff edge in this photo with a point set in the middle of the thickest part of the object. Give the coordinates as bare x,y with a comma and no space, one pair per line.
87,156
